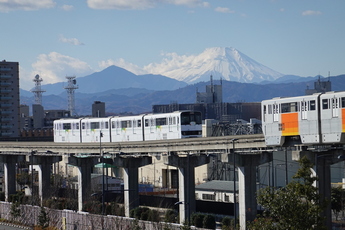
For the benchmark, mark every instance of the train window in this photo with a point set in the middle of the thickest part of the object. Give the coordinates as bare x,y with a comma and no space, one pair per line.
289,107
294,107
325,104
312,105
335,103
196,117
147,123
94,125
285,108
185,119
269,109
106,125
124,124
113,124
83,125
265,112
66,125
76,125
343,102
139,123
161,121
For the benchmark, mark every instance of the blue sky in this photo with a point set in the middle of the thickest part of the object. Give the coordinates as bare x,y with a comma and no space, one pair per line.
58,38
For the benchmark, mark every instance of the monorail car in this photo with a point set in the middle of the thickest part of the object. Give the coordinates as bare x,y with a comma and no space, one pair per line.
313,119
176,125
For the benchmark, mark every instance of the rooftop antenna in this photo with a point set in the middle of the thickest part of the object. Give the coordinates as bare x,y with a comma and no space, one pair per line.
38,90
71,87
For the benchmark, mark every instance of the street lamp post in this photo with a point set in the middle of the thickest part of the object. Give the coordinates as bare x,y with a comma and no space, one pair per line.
102,162
234,172
32,177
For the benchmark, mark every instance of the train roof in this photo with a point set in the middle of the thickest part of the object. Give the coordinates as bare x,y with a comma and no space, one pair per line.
139,115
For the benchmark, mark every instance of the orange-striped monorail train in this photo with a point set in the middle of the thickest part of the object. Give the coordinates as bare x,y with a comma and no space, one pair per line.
311,119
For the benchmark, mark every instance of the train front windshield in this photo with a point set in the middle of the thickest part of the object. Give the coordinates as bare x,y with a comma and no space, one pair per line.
187,118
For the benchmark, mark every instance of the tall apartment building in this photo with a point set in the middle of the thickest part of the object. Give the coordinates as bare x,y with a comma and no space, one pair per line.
9,99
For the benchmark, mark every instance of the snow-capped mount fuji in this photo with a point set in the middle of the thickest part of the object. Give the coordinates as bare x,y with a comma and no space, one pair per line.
227,63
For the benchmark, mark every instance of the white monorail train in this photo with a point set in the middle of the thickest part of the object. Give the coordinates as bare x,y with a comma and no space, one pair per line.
313,119
176,125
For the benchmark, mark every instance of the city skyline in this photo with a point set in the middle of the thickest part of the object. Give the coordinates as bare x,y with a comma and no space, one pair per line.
56,39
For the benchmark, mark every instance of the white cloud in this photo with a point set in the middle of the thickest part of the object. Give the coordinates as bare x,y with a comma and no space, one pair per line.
170,62
123,64
141,4
67,7
192,3
223,10
9,5
121,4
72,41
54,67
311,12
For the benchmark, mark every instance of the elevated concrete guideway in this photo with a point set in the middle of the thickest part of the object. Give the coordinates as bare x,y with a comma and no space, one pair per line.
184,154
203,144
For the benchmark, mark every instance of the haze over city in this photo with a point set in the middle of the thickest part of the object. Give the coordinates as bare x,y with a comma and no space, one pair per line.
59,38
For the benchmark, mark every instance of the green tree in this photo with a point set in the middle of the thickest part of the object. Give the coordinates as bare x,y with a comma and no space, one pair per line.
337,200
43,219
15,210
297,206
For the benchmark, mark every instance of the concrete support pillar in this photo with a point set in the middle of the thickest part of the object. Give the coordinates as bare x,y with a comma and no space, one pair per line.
10,173
186,169
130,167
323,171
84,177
247,164
322,168
44,163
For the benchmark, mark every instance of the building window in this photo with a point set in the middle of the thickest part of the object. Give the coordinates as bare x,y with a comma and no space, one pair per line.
208,197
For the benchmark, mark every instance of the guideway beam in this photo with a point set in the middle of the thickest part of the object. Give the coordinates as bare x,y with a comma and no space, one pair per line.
44,163
322,169
130,167
247,164
186,171
10,162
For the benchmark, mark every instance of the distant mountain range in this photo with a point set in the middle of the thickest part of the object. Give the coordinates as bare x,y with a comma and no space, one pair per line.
137,100
115,77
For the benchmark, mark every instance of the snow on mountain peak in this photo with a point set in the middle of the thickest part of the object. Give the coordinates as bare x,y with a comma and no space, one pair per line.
221,62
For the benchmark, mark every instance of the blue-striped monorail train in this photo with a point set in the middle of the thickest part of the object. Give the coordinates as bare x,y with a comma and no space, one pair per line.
313,119
176,125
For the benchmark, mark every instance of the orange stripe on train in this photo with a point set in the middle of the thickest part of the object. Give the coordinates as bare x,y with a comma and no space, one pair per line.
290,124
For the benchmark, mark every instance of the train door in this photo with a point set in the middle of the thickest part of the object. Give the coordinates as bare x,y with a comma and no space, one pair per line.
276,109
335,107
170,124
304,110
